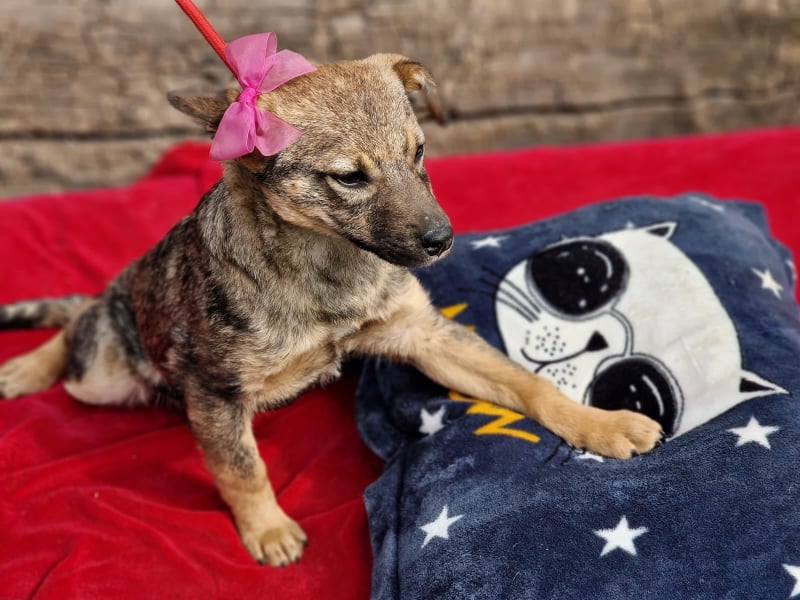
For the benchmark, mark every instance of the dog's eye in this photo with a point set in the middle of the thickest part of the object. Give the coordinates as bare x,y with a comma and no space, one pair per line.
420,153
354,179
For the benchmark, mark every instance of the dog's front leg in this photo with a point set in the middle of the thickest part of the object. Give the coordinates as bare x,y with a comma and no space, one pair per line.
461,360
225,434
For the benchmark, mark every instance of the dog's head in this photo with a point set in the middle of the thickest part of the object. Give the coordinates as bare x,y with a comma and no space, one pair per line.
357,171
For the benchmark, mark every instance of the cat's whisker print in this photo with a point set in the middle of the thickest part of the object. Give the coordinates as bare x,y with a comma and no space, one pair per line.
520,295
491,284
490,271
506,298
465,290
517,310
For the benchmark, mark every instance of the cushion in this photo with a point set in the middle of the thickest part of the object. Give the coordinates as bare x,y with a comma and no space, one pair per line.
680,308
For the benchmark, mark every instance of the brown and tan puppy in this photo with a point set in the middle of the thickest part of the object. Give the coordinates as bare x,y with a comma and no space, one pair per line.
288,265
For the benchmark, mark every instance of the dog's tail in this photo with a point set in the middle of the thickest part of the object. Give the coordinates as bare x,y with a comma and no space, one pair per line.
45,312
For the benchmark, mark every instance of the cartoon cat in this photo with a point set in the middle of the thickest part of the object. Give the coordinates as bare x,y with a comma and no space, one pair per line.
627,320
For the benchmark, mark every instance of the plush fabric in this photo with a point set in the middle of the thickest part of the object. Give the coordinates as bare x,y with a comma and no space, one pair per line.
682,309
102,502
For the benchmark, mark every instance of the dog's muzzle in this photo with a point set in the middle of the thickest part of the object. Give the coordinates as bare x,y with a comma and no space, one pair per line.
437,241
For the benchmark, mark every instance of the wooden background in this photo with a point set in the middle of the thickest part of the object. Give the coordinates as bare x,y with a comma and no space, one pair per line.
82,83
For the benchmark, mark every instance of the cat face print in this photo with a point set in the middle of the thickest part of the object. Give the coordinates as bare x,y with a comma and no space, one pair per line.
626,320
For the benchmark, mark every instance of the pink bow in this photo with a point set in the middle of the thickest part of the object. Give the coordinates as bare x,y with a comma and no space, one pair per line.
259,69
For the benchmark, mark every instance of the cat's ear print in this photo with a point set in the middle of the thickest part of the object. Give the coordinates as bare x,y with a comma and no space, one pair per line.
754,386
665,229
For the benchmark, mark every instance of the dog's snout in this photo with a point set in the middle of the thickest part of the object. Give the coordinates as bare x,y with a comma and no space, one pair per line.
436,241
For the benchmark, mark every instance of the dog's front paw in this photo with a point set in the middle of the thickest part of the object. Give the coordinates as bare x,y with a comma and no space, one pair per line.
618,433
277,541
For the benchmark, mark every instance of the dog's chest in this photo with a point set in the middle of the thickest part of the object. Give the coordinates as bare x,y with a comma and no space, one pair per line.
306,345
270,380
300,328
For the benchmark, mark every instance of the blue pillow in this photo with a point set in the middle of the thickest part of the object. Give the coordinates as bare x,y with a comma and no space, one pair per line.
681,308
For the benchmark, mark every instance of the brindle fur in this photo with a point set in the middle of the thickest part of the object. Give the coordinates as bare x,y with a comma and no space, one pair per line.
277,275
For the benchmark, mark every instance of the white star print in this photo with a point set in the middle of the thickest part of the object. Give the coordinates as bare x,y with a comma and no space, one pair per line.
794,571
754,432
439,527
431,423
620,537
768,282
792,268
490,241
586,455
630,225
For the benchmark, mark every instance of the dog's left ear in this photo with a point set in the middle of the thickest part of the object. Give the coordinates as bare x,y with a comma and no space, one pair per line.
417,78
205,108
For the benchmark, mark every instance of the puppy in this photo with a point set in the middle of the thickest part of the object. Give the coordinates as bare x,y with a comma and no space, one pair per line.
288,265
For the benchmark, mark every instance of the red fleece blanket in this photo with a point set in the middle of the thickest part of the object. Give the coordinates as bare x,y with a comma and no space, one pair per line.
101,503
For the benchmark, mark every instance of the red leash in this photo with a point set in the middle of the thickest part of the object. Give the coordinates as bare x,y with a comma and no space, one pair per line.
205,28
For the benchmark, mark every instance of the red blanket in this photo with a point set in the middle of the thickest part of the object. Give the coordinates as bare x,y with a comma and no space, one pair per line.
116,503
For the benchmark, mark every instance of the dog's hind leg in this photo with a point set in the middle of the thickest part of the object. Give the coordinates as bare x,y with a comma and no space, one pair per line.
35,371
39,369
106,361
91,356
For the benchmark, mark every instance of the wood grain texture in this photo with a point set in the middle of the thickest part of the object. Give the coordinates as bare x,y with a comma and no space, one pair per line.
82,84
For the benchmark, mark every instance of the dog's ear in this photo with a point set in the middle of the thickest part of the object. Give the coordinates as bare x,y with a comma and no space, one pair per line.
205,108
417,78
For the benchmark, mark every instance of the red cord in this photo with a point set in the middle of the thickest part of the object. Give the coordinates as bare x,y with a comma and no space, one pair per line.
205,28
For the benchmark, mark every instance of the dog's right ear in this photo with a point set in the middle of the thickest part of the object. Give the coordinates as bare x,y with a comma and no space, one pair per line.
205,108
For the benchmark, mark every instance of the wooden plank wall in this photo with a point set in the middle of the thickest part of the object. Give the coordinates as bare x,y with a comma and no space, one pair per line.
82,83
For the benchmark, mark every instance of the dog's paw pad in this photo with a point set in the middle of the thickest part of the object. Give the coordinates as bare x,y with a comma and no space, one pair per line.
279,544
621,434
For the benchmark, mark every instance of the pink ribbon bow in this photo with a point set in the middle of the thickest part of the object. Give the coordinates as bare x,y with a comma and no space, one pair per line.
259,69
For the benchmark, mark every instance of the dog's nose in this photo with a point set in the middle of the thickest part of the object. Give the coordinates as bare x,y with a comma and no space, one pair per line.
437,241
